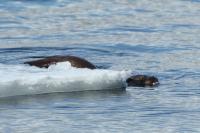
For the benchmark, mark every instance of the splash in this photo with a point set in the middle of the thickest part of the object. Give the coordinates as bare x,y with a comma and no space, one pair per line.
62,77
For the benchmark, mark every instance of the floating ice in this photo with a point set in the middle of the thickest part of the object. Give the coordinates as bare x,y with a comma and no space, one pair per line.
62,77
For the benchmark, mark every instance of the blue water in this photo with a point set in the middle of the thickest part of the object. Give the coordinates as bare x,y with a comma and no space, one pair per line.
160,38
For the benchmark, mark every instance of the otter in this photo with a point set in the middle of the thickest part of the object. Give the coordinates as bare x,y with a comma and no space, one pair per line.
142,81
134,80
75,62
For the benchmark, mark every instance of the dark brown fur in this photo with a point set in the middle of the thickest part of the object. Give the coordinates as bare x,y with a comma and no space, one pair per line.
75,62
142,81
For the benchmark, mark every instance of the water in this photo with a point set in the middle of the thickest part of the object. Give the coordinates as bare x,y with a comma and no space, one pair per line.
158,38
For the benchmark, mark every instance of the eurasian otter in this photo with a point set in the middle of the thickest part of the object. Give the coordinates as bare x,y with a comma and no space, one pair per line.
142,81
75,62
135,80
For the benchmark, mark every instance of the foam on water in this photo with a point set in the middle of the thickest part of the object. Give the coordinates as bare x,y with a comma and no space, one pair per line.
62,77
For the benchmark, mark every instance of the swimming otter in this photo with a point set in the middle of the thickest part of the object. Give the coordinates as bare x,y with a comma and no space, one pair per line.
135,80
142,81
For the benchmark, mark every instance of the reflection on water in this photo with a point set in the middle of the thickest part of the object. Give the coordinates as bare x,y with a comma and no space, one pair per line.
51,98
158,38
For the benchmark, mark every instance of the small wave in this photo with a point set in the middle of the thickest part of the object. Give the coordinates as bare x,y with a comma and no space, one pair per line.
62,77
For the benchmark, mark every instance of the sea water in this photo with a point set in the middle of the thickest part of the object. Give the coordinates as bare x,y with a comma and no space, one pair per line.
120,37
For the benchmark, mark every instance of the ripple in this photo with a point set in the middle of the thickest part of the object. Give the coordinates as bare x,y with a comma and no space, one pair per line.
154,38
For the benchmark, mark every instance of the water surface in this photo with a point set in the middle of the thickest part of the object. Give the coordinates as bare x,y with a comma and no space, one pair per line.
158,38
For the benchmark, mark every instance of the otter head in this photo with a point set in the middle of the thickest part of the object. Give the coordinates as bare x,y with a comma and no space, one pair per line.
142,81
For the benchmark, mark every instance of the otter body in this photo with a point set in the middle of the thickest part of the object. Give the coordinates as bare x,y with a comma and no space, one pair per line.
75,62
135,80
